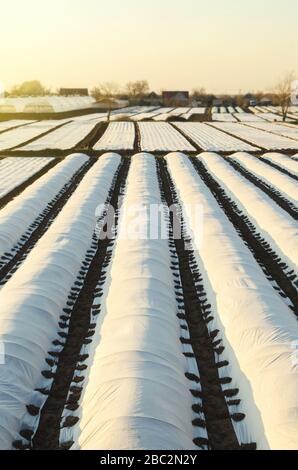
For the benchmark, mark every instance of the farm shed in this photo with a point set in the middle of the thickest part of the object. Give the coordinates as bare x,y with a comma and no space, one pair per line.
175,98
73,92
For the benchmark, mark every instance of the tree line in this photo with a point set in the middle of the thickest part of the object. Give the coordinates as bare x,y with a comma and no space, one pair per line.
136,91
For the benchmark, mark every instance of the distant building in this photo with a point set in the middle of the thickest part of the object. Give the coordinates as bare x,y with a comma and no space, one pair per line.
250,99
265,101
252,102
175,98
217,102
73,92
152,99
196,103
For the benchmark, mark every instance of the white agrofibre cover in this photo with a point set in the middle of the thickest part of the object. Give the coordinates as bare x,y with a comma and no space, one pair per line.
64,138
137,396
274,117
33,299
279,230
161,136
279,129
118,136
16,137
259,327
283,161
18,214
258,137
5,125
179,111
161,117
223,117
142,116
283,183
196,110
94,117
248,117
212,139
16,170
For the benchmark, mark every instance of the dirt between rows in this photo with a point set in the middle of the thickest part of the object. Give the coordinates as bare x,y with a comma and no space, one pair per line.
50,213
80,332
268,260
90,140
39,136
271,191
206,346
19,189
86,144
15,126
279,168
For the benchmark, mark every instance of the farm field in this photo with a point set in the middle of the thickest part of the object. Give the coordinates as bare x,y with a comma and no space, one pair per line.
64,138
15,171
282,183
17,136
211,139
213,307
278,160
247,117
149,232
161,137
251,131
118,136
191,111
279,129
148,115
6,125
223,117
258,137
272,117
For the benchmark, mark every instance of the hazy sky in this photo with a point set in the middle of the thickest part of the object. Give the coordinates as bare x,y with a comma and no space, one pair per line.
223,45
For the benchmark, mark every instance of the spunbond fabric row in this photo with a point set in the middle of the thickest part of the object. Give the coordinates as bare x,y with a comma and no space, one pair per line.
16,217
283,161
33,300
16,170
259,328
136,394
276,226
284,184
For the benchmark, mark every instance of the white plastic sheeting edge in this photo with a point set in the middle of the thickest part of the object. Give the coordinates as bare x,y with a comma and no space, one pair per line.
259,328
246,433
118,136
212,139
161,136
33,299
283,183
283,161
137,395
279,230
14,171
18,214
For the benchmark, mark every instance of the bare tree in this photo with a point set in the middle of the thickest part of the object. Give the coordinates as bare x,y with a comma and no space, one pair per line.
109,89
106,91
283,91
198,93
137,90
96,93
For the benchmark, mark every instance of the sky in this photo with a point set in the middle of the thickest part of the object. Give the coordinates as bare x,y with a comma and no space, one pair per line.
226,46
